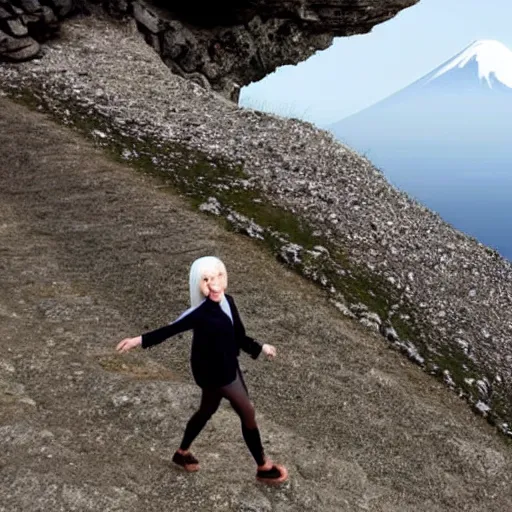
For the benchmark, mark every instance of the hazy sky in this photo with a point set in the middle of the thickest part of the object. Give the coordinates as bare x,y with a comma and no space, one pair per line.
358,71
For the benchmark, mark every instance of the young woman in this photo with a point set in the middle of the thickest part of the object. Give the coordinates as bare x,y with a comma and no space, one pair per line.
218,336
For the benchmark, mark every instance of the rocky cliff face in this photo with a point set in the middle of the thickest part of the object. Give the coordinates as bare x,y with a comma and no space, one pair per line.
223,45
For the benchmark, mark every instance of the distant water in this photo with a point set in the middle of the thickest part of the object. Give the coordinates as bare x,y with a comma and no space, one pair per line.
474,196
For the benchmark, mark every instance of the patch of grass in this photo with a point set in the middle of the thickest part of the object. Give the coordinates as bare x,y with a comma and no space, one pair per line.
409,330
134,368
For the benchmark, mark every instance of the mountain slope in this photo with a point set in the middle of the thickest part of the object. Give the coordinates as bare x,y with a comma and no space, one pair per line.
490,61
97,252
102,251
475,86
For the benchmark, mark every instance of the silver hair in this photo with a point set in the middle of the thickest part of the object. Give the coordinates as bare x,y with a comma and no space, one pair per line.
198,268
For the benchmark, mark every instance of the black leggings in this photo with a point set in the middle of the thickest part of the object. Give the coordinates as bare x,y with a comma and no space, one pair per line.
238,397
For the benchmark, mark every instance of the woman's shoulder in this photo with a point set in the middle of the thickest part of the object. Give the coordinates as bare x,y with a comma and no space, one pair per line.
192,311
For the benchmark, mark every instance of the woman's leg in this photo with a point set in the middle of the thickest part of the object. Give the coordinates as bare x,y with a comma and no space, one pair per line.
236,393
210,401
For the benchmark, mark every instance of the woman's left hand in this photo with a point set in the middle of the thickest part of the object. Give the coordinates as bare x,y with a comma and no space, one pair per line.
269,350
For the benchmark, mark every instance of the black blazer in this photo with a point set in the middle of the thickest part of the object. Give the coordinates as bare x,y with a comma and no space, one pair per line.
216,341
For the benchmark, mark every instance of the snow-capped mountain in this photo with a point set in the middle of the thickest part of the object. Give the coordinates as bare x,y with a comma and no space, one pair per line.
489,61
450,132
465,101
469,85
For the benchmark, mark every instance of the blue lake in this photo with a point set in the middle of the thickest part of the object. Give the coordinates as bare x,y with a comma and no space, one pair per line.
474,196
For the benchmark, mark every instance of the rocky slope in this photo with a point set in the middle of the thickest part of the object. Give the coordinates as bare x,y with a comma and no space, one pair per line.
439,296
92,251
220,45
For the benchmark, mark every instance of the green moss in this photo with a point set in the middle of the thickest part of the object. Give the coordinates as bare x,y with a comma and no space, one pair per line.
407,329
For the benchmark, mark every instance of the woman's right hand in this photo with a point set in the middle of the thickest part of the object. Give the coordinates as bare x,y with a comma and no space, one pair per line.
128,344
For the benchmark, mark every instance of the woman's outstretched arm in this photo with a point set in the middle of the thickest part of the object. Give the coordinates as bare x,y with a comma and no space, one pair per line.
184,322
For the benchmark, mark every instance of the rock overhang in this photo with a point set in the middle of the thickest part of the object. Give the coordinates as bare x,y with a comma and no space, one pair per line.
221,46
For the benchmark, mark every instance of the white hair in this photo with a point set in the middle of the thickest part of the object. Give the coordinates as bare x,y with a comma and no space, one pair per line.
197,270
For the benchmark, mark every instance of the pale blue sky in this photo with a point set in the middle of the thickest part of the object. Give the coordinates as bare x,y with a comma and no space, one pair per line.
358,71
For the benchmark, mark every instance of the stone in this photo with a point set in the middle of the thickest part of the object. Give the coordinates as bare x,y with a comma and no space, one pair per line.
176,40
291,253
342,308
243,224
62,7
358,308
149,19
482,408
48,16
372,317
389,333
16,27
17,49
447,378
4,13
483,387
414,355
368,323
212,206
30,18
30,6
463,344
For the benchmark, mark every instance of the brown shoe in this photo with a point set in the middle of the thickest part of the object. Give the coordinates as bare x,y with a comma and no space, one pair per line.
276,474
187,461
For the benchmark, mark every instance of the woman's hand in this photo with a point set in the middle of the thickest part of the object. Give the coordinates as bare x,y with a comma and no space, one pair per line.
128,344
269,350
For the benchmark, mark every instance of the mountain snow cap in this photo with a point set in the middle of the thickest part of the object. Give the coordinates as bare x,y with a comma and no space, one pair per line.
492,57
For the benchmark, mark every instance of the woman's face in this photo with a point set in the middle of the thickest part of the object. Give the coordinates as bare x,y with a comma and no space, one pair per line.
214,283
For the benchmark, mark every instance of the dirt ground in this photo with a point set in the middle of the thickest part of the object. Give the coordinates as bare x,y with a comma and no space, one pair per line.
91,252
